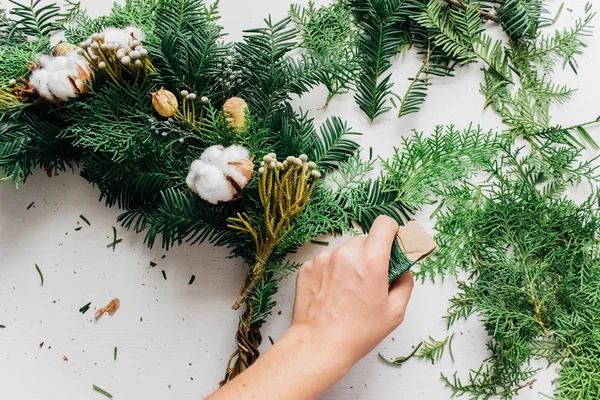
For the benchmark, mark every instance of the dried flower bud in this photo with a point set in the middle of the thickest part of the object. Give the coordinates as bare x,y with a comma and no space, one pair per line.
303,157
135,55
311,165
102,65
204,100
273,156
62,49
144,52
184,93
234,110
165,103
261,170
267,158
315,174
191,96
12,82
126,60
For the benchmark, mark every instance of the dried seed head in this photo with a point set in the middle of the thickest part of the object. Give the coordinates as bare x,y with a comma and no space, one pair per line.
126,60
165,103
311,165
303,157
204,100
184,93
315,174
235,109
191,96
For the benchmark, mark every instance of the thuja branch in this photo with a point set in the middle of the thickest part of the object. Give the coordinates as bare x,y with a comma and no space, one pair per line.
486,15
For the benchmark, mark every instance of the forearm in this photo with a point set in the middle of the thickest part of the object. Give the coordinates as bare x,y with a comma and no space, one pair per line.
297,367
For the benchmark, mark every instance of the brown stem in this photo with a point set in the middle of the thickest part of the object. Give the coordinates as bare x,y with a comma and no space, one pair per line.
487,15
528,384
247,339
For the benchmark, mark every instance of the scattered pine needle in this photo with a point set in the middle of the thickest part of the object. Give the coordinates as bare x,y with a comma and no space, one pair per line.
111,308
78,228
192,279
85,220
115,355
320,243
41,345
41,275
164,274
115,241
31,205
2,326
102,391
153,264
84,309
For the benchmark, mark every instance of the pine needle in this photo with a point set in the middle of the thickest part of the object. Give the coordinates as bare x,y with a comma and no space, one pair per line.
2,326
164,274
115,241
30,205
85,220
85,308
192,279
41,275
102,391
115,353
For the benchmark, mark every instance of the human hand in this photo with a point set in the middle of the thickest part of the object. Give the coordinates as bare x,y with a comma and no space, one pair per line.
344,303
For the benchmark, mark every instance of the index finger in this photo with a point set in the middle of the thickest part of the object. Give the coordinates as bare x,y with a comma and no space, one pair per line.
382,236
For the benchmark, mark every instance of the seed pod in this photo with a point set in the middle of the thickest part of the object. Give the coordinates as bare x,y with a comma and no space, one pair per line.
234,111
165,103
62,49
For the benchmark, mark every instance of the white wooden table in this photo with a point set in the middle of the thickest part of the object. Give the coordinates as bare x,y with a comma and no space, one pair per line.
174,339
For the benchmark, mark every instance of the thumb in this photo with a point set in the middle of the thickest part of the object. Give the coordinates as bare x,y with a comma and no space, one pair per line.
399,294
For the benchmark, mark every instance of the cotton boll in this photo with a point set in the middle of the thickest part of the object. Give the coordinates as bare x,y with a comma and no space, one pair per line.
60,85
235,162
136,32
39,80
114,35
209,183
212,155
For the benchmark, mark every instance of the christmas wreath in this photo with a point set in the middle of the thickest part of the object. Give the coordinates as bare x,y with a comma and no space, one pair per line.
196,139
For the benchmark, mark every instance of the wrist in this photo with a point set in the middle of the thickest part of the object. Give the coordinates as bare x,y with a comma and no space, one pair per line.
319,351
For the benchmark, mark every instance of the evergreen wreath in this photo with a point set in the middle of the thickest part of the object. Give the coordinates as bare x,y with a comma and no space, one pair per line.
196,140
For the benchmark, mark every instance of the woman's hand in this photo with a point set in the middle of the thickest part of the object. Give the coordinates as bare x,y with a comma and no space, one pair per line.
344,307
343,299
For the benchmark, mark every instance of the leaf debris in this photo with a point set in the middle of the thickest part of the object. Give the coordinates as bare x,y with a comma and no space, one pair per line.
164,274
111,308
85,220
40,273
115,241
115,353
30,205
192,279
102,391
85,308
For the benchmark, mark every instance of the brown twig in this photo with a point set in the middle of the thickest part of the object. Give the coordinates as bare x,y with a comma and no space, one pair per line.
487,15
528,384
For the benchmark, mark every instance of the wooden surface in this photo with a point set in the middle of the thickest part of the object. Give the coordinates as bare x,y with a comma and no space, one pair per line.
173,338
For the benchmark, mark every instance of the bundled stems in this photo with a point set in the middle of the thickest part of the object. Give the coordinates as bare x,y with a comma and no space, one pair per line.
284,190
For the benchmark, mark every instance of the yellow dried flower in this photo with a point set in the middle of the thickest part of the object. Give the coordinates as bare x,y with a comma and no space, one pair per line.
234,111
165,103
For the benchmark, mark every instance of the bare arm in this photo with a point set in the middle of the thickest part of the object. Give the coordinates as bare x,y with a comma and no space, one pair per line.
343,309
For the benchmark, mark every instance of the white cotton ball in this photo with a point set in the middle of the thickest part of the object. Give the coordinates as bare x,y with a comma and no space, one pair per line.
59,84
39,80
229,163
118,36
212,155
209,183
75,60
136,32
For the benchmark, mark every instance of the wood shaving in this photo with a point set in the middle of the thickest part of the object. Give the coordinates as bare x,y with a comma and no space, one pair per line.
111,308
65,358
